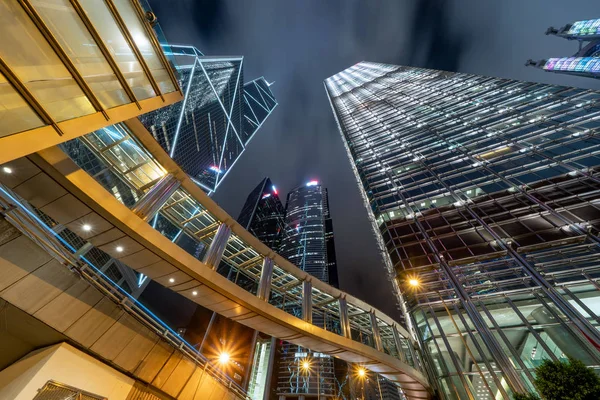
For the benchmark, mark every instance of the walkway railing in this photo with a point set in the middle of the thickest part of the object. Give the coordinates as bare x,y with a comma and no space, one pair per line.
65,248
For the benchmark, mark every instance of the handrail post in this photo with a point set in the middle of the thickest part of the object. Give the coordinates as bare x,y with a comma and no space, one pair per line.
307,301
344,321
375,330
264,285
398,342
217,246
151,202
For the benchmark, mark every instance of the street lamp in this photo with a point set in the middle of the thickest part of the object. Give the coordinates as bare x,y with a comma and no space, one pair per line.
306,366
224,358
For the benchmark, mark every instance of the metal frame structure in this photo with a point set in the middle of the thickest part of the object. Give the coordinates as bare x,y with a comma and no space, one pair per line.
586,62
207,80
189,216
482,190
41,136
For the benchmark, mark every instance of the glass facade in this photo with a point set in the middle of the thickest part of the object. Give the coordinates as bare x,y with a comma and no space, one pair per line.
586,62
208,131
483,194
304,244
62,60
263,214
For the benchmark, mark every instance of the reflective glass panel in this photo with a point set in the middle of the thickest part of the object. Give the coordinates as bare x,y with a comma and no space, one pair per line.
77,42
34,62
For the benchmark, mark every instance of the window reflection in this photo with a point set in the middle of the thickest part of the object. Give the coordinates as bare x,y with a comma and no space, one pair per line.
34,62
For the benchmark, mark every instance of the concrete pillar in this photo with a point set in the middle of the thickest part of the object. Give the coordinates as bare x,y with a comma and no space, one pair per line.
264,285
344,321
217,247
307,301
375,330
147,207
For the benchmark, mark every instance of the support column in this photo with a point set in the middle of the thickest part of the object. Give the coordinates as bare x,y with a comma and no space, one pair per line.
147,207
217,247
264,285
344,321
398,342
307,301
375,330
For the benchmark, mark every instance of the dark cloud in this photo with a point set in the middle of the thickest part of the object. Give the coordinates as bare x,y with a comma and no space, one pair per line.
299,43
433,42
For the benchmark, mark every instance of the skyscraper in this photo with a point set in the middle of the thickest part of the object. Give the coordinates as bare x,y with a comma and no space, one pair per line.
208,131
483,195
586,61
305,244
263,214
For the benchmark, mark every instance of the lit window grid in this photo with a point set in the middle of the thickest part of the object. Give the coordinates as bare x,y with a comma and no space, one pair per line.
587,100
498,275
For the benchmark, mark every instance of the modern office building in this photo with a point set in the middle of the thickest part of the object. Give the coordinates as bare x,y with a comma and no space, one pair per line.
586,61
305,244
208,131
263,214
483,193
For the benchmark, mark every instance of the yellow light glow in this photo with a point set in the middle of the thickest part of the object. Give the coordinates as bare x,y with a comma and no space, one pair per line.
306,365
224,358
414,282
362,372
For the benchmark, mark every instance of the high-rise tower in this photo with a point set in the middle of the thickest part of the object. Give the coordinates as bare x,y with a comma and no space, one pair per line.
586,62
263,214
306,243
483,195
208,131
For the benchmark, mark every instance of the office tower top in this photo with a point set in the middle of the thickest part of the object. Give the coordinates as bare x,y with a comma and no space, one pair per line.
263,214
208,131
586,62
304,244
483,194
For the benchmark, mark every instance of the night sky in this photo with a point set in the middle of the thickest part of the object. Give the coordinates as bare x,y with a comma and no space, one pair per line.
300,43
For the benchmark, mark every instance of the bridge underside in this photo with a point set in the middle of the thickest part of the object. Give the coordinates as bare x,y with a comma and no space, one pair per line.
52,183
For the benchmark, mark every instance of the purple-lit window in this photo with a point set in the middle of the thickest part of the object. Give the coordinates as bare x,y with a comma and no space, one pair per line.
559,64
596,67
550,64
565,66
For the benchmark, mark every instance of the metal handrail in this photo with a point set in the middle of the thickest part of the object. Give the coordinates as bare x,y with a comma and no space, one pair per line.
19,213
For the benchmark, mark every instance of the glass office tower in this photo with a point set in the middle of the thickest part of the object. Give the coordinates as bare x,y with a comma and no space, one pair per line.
207,132
305,245
483,194
263,214
586,62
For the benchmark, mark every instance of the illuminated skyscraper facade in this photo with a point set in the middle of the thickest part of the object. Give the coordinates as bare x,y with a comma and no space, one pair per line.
263,214
207,132
483,195
305,245
586,62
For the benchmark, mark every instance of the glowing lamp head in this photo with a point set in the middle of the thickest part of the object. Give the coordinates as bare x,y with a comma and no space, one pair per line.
224,358
312,183
7,170
305,365
414,282
362,372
